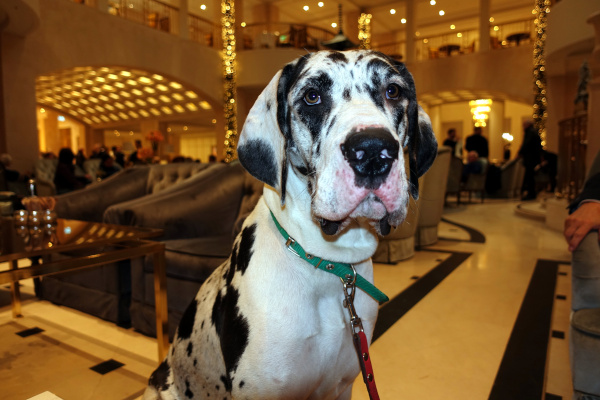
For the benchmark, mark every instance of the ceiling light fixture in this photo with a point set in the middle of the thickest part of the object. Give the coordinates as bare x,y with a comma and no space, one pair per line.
392,11
432,2
305,8
321,4
491,19
333,25
442,12
403,20
203,6
452,26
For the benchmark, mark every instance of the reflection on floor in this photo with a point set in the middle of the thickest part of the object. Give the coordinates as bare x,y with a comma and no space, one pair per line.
459,325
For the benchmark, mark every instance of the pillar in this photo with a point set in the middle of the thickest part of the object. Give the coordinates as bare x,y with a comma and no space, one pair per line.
495,130
184,30
351,25
484,25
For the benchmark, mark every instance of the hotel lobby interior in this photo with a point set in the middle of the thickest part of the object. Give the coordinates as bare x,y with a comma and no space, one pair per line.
481,283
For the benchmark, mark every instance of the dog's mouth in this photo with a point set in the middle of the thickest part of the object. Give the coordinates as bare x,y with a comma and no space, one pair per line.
372,209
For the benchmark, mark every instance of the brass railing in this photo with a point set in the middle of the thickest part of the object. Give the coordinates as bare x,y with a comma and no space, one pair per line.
281,34
152,13
571,158
202,30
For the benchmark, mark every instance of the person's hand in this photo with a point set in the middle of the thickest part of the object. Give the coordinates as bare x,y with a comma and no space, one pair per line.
578,224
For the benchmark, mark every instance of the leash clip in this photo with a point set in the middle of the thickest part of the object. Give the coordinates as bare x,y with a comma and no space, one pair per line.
349,292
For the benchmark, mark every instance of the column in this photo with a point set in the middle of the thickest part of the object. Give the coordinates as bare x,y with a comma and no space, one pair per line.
593,124
184,29
495,130
351,25
484,25
411,28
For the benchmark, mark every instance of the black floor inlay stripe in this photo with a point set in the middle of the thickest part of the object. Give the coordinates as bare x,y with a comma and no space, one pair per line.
106,366
476,236
550,396
522,370
401,304
29,332
558,334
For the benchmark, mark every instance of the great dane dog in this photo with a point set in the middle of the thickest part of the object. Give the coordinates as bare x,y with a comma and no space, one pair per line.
326,136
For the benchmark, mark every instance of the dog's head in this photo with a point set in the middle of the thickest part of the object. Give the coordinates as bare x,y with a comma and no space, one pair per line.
341,121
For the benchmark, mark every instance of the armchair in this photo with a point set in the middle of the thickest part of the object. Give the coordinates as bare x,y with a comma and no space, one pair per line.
431,201
200,222
453,181
106,291
476,182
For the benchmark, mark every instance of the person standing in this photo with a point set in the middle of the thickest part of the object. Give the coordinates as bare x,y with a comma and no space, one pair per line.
476,142
531,154
454,142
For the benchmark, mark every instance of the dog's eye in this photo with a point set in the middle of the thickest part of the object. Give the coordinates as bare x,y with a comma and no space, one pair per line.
312,97
392,92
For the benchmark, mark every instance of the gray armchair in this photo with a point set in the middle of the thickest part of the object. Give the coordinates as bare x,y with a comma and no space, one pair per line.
511,177
431,201
200,221
106,291
453,180
476,182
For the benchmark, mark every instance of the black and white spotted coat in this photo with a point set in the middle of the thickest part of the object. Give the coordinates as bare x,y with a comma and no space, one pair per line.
266,324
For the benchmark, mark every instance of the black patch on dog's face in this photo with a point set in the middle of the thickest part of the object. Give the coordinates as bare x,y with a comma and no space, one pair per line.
159,377
186,325
190,348
245,252
258,157
312,116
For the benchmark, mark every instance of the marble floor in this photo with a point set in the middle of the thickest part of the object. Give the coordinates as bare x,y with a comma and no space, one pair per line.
447,333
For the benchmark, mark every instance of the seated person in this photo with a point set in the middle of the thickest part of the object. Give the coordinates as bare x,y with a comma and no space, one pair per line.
107,166
65,179
473,166
11,175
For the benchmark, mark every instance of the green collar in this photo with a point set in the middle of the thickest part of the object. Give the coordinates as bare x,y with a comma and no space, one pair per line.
339,269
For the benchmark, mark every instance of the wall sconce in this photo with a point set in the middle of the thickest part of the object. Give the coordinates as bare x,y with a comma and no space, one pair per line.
480,109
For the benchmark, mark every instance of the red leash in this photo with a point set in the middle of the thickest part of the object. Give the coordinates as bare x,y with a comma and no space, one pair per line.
358,335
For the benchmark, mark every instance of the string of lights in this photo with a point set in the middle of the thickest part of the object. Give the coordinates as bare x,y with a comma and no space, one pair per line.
542,8
229,78
364,31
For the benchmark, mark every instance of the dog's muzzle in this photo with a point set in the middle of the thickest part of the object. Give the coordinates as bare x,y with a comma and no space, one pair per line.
370,153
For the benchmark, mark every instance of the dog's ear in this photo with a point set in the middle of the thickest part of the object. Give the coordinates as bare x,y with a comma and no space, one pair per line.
266,135
420,139
422,145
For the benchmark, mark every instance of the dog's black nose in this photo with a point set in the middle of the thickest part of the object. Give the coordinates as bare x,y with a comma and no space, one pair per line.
370,153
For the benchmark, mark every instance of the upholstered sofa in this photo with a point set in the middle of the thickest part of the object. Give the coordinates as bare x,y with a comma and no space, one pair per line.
105,291
200,222
45,169
511,178
585,315
453,184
